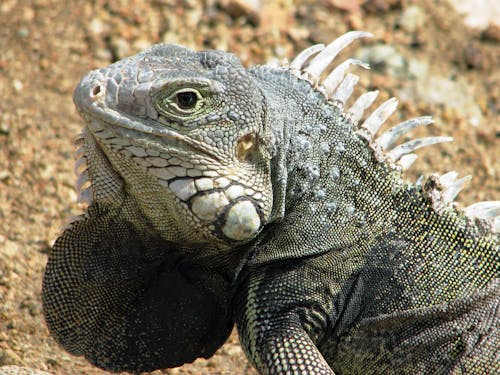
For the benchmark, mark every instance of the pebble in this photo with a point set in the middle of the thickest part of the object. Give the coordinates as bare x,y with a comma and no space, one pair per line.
23,32
473,56
417,68
412,19
492,32
9,357
4,129
478,14
242,8
121,47
445,91
96,26
18,85
381,6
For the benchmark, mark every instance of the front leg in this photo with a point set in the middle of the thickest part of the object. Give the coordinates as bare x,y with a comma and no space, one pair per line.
276,316
283,349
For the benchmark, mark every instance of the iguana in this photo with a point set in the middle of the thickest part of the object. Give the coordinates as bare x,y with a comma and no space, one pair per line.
219,194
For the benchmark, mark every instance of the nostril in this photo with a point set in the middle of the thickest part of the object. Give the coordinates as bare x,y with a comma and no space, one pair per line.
96,91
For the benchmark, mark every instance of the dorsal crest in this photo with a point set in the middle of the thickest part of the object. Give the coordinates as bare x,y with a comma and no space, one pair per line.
337,85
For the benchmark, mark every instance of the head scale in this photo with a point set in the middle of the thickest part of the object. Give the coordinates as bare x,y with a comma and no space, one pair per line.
192,123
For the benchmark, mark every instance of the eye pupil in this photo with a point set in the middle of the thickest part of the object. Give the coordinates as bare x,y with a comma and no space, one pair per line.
186,100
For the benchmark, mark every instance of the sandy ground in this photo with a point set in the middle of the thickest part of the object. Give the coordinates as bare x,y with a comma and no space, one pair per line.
438,65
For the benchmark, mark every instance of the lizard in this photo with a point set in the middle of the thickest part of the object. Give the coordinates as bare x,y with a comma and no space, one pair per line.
263,197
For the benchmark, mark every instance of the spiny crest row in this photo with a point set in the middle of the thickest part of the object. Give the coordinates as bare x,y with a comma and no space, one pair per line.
337,87
312,63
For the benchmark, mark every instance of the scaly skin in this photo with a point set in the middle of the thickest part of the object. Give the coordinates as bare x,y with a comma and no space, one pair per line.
219,194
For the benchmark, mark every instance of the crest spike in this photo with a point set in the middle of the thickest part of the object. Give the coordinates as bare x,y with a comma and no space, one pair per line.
487,210
71,220
83,180
80,165
79,139
301,59
336,76
447,179
79,152
85,196
389,137
345,89
452,190
373,123
410,146
407,160
362,103
321,61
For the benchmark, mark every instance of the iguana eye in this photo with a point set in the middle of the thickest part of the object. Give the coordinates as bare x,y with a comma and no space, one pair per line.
179,104
186,99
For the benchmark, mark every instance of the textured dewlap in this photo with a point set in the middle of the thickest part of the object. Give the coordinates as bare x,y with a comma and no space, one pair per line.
127,300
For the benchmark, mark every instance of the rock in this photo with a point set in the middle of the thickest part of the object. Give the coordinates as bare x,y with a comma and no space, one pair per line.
8,357
18,85
473,56
492,32
417,69
380,6
479,14
97,27
455,95
23,32
16,370
349,6
120,47
298,33
242,8
412,19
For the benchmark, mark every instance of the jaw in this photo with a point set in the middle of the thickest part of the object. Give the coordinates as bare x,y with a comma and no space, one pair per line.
187,196
189,186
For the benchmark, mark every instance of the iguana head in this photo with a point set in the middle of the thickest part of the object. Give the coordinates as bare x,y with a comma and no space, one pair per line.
191,124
